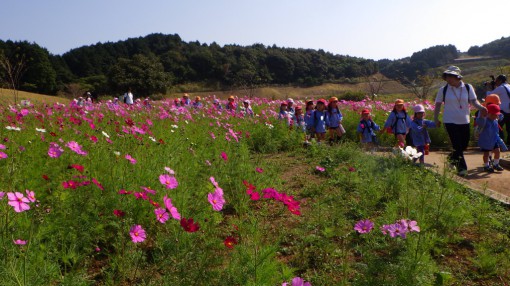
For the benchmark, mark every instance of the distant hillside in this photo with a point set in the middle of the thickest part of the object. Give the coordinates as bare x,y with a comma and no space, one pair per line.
497,48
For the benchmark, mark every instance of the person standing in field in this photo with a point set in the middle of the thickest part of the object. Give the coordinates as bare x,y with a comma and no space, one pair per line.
366,129
128,97
456,96
503,91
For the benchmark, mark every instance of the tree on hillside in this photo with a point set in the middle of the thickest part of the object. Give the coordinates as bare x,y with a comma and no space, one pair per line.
11,71
421,86
144,74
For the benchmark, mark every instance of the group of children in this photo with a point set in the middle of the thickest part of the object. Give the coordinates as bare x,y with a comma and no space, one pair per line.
326,117
315,121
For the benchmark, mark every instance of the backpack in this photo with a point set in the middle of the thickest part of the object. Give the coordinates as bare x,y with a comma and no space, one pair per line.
365,126
394,126
468,87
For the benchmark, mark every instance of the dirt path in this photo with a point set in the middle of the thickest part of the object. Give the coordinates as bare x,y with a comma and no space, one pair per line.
495,185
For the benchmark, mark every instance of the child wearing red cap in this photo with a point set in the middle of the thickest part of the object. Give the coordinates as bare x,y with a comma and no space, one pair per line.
319,120
367,128
489,140
334,120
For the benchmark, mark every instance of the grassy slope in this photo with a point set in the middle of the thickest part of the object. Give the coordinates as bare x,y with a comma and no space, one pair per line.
7,97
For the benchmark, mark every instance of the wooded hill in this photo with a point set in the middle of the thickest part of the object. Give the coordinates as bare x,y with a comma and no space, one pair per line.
156,62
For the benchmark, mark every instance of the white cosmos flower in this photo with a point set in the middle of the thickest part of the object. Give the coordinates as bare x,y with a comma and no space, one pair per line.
174,126
411,153
105,134
117,153
40,130
152,138
13,128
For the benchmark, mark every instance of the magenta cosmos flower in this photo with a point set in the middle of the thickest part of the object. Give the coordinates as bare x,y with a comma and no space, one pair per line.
55,150
20,242
168,181
320,169
224,156
3,155
364,226
298,281
137,233
216,200
74,146
18,202
170,207
130,159
161,215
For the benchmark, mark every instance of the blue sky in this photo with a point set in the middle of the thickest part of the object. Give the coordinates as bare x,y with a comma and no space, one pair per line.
363,28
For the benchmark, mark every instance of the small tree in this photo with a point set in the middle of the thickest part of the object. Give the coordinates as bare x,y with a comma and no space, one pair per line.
421,86
11,71
375,84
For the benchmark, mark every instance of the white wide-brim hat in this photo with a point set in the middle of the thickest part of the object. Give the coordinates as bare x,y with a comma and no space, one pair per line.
453,70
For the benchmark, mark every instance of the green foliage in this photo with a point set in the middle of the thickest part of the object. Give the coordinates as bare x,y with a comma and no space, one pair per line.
143,74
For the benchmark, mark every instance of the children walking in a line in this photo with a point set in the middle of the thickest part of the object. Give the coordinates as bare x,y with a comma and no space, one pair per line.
398,122
489,137
419,133
367,128
334,120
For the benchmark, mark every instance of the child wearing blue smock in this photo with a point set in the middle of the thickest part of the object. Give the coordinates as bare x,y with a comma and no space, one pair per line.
319,120
419,133
398,122
366,129
334,120
489,140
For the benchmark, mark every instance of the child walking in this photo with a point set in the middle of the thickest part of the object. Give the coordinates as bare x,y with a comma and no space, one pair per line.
334,120
489,137
398,122
319,120
367,128
309,109
419,133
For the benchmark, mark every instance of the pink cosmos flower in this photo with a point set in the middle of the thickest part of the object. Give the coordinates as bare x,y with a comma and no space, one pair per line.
208,163
170,207
2,194
212,135
216,200
3,155
30,195
364,226
137,233
170,171
74,146
18,202
20,242
298,281
2,147
320,169
168,181
55,150
259,170
161,215
224,156
130,159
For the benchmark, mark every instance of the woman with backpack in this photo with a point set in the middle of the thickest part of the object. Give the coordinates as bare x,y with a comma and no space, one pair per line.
456,96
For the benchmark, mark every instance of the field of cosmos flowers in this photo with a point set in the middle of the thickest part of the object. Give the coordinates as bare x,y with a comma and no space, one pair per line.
157,194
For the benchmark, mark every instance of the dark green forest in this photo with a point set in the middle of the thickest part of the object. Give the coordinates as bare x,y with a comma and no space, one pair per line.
155,63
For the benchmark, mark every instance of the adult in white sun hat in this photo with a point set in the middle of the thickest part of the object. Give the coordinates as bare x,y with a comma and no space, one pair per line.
456,96
290,106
